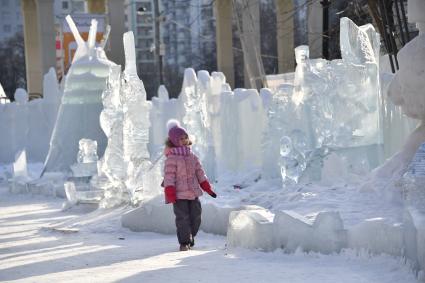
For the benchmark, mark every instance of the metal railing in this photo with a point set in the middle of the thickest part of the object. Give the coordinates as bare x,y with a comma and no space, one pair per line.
390,17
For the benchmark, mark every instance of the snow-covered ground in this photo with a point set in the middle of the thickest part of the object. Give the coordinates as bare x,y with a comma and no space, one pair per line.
36,247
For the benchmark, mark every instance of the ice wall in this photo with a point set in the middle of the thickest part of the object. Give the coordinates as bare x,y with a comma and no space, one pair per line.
225,126
28,124
194,96
81,104
163,109
396,126
242,122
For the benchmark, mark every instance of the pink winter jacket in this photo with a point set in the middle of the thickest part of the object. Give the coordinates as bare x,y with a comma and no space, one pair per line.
185,173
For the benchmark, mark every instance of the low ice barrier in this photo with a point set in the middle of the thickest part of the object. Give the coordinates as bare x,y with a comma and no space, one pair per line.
414,238
260,229
252,229
378,236
155,216
326,234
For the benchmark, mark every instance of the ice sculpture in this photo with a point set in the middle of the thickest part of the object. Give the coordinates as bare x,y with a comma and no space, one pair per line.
87,152
111,121
135,119
113,173
332,105
127,174
78,115
86,165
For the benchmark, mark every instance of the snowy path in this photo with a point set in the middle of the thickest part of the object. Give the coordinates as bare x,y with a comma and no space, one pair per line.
104,252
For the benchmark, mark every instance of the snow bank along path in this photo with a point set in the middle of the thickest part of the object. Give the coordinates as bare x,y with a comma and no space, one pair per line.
101,251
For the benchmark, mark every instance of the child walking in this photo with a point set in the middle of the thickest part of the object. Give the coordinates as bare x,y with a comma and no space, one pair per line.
184,178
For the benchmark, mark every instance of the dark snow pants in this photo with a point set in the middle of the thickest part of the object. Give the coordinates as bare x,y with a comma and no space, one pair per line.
188,219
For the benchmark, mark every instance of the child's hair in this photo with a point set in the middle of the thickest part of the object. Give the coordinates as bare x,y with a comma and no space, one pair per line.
169,144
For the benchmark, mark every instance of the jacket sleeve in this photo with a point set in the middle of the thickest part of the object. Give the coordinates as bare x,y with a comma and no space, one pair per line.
170,171
199,171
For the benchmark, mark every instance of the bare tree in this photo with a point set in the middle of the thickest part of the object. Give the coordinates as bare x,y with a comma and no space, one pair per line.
12,67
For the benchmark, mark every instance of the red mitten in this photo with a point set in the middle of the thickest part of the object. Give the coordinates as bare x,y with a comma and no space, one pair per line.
170,194
207,188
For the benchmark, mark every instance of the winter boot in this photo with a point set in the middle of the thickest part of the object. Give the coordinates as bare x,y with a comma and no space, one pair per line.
192,242
184,248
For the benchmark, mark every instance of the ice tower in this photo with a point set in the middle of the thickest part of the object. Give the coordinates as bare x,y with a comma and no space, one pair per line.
136,122
78,115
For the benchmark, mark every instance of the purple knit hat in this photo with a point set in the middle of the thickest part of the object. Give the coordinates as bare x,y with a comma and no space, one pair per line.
175,131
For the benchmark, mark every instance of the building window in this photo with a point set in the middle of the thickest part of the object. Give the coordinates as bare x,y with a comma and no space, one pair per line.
5,16
147,6
145,56
144,19
65,5
144,43
78,6
7,28
144,31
